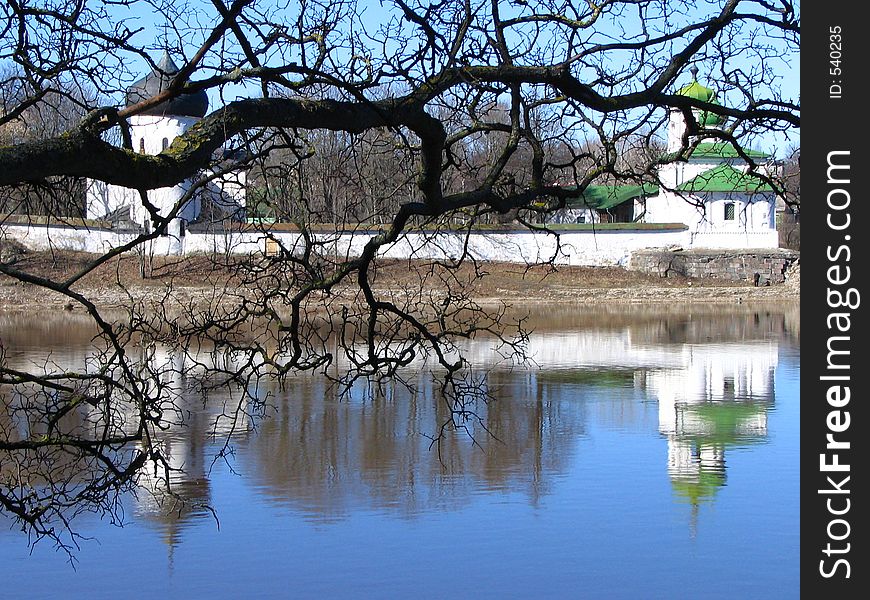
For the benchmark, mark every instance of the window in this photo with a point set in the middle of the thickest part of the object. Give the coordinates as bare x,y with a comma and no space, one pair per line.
165,143
729,211
141,145
580,219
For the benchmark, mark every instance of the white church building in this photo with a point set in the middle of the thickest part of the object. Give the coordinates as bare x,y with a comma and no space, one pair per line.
710,189
152,131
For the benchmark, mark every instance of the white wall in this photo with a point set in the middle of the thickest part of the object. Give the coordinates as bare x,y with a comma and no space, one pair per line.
590,248
600,248
42,237
575,215
735,240
581,248
152,130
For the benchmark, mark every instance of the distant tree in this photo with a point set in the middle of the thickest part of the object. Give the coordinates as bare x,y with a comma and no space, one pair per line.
27,116
789,226
791,179
403,114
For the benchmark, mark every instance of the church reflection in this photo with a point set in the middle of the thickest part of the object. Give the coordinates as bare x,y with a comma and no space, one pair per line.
705,386
175,490
719,402
712,380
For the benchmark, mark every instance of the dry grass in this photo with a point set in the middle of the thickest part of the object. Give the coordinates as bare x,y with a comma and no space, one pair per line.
489,281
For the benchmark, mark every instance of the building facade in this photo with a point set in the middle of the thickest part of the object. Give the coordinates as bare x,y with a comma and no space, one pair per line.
152,132
709,188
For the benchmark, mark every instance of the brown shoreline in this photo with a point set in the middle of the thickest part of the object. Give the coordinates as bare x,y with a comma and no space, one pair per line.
193,280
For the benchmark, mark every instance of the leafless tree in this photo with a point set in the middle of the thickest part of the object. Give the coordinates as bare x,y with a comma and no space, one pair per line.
407,116
789,226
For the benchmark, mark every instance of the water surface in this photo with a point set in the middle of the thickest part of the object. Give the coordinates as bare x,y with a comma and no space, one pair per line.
650,453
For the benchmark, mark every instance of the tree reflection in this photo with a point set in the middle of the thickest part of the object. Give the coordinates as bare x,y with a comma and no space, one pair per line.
305,445
327,456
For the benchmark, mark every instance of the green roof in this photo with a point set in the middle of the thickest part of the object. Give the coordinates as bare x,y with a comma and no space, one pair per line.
725,178
723,150
602,197
703,94
708,119
702,489
716,150
724,421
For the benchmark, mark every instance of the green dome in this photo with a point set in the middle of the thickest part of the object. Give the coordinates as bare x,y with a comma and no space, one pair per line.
698,92
701,488
707,119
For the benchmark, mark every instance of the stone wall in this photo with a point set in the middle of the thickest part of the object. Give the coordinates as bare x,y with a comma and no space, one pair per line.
762,267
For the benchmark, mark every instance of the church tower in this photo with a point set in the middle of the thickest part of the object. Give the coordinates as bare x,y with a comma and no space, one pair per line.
676,121
152,131
675,173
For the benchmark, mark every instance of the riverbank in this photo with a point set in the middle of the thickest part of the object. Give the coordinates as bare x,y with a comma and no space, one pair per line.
195,279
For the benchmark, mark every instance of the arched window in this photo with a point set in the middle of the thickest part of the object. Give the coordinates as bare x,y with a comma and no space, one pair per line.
141,145
165,143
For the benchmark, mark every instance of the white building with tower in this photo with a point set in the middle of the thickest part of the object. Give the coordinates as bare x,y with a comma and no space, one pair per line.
152,132
709,188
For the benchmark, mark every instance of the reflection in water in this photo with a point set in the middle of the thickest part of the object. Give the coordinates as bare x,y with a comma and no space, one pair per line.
187,498
328,457
719,400
325,457
711,396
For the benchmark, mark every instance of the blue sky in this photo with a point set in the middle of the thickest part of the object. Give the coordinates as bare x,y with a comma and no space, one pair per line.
155,33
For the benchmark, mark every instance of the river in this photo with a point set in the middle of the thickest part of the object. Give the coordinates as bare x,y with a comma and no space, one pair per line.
649,452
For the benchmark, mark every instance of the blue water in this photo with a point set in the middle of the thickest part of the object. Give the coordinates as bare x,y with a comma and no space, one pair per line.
576,501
